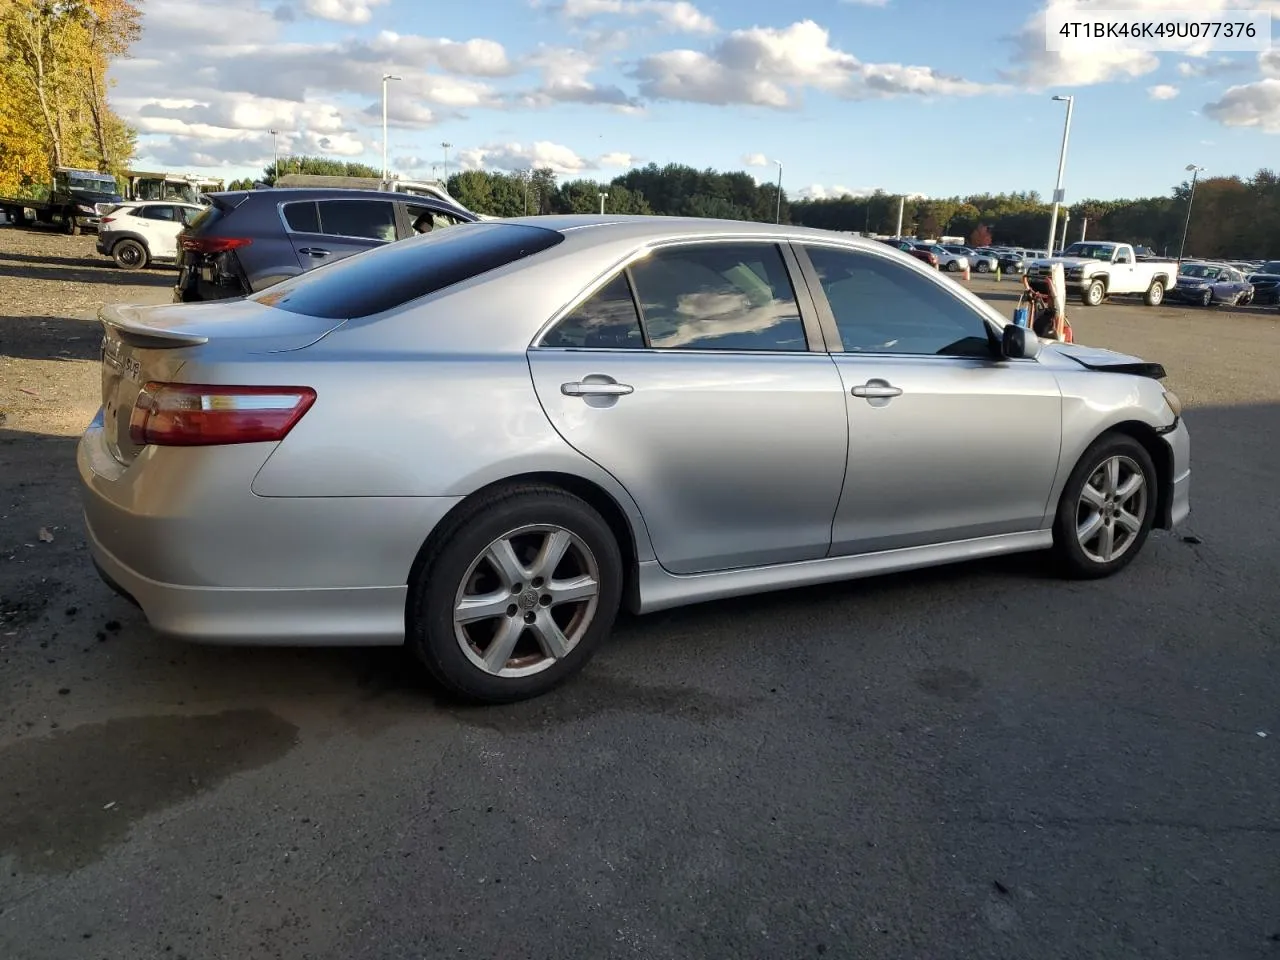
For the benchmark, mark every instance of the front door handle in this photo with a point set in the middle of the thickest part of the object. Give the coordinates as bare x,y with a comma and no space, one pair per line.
586,388
877,390
314,251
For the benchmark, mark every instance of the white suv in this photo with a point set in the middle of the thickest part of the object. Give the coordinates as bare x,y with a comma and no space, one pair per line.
139,231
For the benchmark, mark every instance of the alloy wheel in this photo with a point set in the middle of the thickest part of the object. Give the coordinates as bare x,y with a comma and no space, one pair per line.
526,601
1111,509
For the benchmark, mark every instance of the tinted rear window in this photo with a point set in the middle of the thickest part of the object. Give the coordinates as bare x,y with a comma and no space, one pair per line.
389,276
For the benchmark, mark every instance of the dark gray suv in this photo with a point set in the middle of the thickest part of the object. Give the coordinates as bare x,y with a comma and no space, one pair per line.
246,240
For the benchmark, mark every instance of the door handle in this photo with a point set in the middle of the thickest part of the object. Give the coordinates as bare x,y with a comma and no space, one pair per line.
877,389
314,251
580,388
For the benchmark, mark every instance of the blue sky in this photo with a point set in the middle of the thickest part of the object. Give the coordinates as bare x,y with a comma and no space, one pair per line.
911,96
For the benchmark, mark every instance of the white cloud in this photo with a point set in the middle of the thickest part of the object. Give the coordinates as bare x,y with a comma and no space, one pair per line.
1249,105
755,160
1162,91
565,74
1219,67
1269,63
1083,65
764,66
675,15
476,57
816,191
542,153
342,11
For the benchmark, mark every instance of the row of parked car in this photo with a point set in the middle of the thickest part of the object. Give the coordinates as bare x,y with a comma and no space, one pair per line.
955,258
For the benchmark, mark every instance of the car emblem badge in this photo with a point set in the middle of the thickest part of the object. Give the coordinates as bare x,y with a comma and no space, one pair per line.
529,599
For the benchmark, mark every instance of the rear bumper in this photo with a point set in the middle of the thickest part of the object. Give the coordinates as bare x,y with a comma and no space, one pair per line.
180,533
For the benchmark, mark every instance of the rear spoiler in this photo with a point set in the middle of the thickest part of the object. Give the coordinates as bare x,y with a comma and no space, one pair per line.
128,326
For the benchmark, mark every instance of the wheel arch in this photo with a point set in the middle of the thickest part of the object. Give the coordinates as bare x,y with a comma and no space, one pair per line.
117,236
1161,457
599,499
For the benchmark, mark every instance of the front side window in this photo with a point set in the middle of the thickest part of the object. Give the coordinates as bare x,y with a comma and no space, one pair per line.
718,296
883,307
606,319
366,219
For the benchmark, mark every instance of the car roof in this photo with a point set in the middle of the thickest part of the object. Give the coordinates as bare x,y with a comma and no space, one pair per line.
283,194
160,203
635,229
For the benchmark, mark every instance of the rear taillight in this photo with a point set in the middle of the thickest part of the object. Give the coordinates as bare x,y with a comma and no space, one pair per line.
213,244
198,415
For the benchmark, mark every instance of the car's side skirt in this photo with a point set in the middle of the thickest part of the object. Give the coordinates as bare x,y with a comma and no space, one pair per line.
660,590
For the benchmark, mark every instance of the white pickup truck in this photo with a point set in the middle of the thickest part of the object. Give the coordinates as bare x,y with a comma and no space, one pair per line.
1096,270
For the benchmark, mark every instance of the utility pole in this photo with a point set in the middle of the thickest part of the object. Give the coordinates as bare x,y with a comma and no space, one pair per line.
603,198
778,216
1195,171
902,203
275,136
446,159
1062,164
1084,225
1066,218
385,78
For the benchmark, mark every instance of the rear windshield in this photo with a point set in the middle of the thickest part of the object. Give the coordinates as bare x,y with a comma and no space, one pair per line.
397,273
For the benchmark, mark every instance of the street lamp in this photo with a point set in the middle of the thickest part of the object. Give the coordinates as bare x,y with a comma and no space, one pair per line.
1062,163
778,215
385,78
446,158
603,198
275,137
1194,171
1066,218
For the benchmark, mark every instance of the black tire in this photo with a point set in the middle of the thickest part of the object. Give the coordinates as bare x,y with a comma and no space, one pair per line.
1206,299
953,266
1155,294
129,254
1072,558
1094,294
451,554
69,224
983,267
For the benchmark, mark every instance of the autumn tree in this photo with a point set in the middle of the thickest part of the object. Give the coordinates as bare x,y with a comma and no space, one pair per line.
981,236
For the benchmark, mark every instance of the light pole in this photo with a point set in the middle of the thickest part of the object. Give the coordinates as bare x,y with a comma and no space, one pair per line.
778,215
1195,171
275,137
603,197
1066,218
1062,163
446,158
385,78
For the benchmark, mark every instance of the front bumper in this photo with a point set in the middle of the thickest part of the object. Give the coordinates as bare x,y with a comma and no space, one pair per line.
1178,501
180,533
1185,294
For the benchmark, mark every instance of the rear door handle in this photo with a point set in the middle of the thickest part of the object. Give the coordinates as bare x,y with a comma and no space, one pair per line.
314,251
877,389
581,388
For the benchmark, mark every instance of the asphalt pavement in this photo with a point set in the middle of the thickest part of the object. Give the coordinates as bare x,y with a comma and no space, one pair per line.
971,762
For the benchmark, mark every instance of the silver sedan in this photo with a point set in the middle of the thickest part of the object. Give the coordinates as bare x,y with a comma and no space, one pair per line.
483,441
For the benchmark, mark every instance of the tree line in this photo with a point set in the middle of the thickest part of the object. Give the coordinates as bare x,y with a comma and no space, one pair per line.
54,57
1231,216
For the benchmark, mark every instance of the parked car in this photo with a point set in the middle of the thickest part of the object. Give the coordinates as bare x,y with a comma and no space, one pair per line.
1266,282
908,246
979,261
1012,261
1210,283
477,444
951,262
1101,269
247,240
137,232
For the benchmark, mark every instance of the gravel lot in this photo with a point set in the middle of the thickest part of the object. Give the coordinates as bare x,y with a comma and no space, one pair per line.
969,762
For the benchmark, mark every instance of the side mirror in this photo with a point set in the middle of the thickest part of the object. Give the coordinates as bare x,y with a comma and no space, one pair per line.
1019,343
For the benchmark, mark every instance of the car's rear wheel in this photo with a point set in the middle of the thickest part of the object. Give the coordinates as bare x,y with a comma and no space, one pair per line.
983,267
129,254
515,595
1107,509
1155,294
1095,293
953,266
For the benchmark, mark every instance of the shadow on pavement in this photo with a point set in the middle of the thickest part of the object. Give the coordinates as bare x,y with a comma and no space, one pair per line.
50,338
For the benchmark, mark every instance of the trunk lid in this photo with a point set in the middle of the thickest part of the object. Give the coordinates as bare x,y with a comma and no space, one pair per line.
142,344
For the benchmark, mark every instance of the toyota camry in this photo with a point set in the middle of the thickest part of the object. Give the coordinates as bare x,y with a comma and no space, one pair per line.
483,442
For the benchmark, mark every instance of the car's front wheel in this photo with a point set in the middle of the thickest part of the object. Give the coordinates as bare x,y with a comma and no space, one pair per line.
1107,508
983,267
515,595
1155,294
129,254
953,266
1206,298
1095,293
